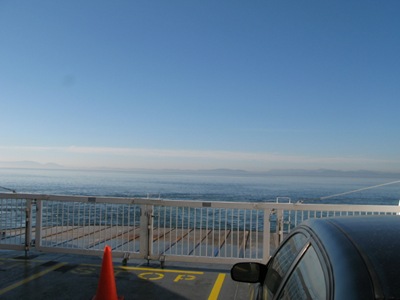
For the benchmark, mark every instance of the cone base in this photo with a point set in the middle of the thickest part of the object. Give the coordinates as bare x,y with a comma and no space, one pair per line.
119,298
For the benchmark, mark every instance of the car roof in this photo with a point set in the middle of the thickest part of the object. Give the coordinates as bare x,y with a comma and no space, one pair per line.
376,244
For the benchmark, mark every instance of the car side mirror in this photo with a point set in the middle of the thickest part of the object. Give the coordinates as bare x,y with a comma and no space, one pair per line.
249,272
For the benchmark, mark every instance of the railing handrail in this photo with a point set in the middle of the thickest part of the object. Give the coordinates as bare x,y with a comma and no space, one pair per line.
204,203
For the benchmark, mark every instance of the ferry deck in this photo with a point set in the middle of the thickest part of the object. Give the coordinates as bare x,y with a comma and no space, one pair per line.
51,246
66,276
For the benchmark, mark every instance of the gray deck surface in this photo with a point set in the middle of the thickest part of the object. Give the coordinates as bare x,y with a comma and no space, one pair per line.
62,276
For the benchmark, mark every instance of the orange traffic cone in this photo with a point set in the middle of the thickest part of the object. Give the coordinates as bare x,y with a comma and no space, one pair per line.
107,289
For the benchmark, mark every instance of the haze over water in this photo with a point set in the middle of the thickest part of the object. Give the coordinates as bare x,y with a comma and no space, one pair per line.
201,186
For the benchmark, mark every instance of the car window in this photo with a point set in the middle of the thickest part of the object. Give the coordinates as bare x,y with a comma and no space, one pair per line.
307,280
281,262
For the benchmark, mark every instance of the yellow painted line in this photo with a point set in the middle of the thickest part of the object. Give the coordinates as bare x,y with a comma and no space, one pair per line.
23,260
30,278
148,269
161,270
217,287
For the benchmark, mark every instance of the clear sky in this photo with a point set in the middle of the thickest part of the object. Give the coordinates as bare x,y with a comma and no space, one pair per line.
252,85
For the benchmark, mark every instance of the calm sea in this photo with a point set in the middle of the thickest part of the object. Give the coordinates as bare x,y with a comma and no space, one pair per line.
195,186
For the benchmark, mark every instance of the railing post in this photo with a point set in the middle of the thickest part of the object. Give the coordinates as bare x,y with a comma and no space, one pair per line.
28,229
267,236
279,226
150,227
38,224
146,231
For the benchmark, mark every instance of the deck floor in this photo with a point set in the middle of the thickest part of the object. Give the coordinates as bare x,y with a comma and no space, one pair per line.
66,276
59,275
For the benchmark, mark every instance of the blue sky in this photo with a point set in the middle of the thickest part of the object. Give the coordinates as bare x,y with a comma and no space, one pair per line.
252,85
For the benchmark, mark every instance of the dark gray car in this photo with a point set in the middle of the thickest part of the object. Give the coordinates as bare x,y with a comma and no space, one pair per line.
332,258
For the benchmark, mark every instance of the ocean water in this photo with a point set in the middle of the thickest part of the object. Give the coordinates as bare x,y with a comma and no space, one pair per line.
196,186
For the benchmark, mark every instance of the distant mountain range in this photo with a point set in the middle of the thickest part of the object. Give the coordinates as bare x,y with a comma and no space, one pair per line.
298,172
332,173
226,172
29,165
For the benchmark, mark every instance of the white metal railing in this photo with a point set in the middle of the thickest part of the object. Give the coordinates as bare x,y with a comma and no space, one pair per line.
223,231
15,223
156,229
288,216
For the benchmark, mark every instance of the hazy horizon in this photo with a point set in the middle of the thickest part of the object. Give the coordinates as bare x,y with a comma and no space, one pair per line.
279,171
